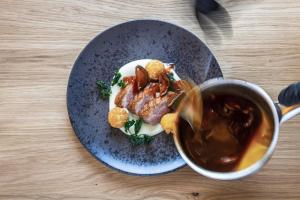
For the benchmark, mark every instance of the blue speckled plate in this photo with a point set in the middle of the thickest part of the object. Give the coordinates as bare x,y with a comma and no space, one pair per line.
111,49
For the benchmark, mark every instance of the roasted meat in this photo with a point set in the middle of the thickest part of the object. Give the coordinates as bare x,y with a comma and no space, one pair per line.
125,95
149,100
153,111
143,97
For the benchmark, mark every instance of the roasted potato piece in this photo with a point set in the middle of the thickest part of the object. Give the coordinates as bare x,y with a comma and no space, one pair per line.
168,122
117,117
155,68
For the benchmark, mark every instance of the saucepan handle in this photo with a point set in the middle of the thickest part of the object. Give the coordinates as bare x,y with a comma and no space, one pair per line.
289,102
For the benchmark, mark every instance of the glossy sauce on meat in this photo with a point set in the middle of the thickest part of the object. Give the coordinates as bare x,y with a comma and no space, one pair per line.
131,80
133,99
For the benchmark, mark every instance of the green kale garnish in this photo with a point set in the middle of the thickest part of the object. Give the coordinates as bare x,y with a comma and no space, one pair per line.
138,125
121,84
148,139
172,80
171,76
135,138
128,124
171,88
104,89
140,139
116,78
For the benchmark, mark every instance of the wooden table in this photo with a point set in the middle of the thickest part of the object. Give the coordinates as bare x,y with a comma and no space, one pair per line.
41,158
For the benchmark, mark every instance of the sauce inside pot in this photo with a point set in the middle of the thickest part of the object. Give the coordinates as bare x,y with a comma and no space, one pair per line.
230,123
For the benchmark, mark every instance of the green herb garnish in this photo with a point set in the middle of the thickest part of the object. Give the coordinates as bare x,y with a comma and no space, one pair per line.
104,89
172,80
135,138
171,76
140,139
148,139
128,124
116,78
138,125
171,88
121,84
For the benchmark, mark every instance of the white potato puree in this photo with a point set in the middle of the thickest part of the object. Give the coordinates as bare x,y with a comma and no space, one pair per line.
129,70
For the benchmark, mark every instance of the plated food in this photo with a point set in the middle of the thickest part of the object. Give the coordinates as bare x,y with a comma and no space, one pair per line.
99,60
147,97
90,116
141,94
215,130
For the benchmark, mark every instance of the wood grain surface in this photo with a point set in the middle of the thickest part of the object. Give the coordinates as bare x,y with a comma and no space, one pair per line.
41,158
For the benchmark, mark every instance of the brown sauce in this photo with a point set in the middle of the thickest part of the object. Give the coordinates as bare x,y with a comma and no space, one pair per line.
229,124
129,79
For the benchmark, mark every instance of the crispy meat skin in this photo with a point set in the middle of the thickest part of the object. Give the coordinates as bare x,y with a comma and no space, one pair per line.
146,103
153,111
124,97
143,97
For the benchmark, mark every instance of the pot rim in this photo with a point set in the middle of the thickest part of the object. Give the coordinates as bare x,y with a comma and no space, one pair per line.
255,167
